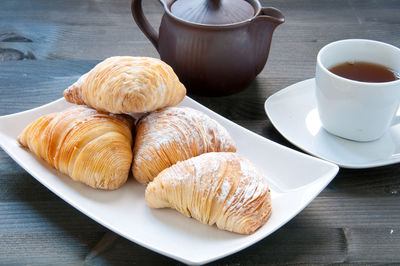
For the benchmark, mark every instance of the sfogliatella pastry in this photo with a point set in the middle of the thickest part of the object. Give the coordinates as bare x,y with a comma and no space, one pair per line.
92,147
175,134
215,188
125,84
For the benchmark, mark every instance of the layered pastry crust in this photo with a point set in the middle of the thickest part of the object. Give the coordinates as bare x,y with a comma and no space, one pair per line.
223,188
126,84
174,134
92,147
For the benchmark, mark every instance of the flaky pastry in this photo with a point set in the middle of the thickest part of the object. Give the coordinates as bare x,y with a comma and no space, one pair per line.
126,84
175,134
215,188
92,147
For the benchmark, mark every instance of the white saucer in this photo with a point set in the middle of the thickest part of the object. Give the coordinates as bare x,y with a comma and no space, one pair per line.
294,114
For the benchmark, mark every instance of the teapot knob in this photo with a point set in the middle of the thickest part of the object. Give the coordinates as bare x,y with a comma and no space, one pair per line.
214,3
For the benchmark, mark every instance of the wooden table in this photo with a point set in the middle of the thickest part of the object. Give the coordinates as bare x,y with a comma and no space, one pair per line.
47,45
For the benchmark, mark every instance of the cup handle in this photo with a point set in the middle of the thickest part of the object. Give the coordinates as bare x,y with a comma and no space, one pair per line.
143,23
396,118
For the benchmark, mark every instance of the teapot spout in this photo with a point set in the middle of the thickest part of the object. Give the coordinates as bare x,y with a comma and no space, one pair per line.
262,30
272,15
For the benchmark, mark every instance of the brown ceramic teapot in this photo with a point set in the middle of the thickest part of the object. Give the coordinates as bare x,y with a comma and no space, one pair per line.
214,46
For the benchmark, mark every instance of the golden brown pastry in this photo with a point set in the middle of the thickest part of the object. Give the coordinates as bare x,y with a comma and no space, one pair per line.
125,84
92,147
175,134
215,188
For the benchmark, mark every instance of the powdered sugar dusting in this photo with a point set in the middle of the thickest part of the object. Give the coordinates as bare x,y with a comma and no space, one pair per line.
258,184
251,185
181,132
221,188
205,167
225,188
184,125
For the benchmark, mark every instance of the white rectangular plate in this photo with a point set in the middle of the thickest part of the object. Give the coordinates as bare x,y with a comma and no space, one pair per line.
295,179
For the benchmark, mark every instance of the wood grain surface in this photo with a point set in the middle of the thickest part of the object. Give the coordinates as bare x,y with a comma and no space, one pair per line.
46,45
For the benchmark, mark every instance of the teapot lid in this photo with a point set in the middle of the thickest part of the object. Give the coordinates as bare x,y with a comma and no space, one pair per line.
213,12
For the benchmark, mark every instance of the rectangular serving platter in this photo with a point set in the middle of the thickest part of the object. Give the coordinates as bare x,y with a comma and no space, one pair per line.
295,180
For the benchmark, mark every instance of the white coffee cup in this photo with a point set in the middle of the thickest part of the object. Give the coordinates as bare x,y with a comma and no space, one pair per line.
360,111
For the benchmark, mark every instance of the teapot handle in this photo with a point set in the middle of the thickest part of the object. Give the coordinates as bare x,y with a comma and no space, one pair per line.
143,23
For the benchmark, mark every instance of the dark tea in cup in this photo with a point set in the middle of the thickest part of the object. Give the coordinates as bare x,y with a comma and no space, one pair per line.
365,72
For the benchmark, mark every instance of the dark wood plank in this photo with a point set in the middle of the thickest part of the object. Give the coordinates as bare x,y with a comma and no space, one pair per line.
352,210
373,245
37,82
70,29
